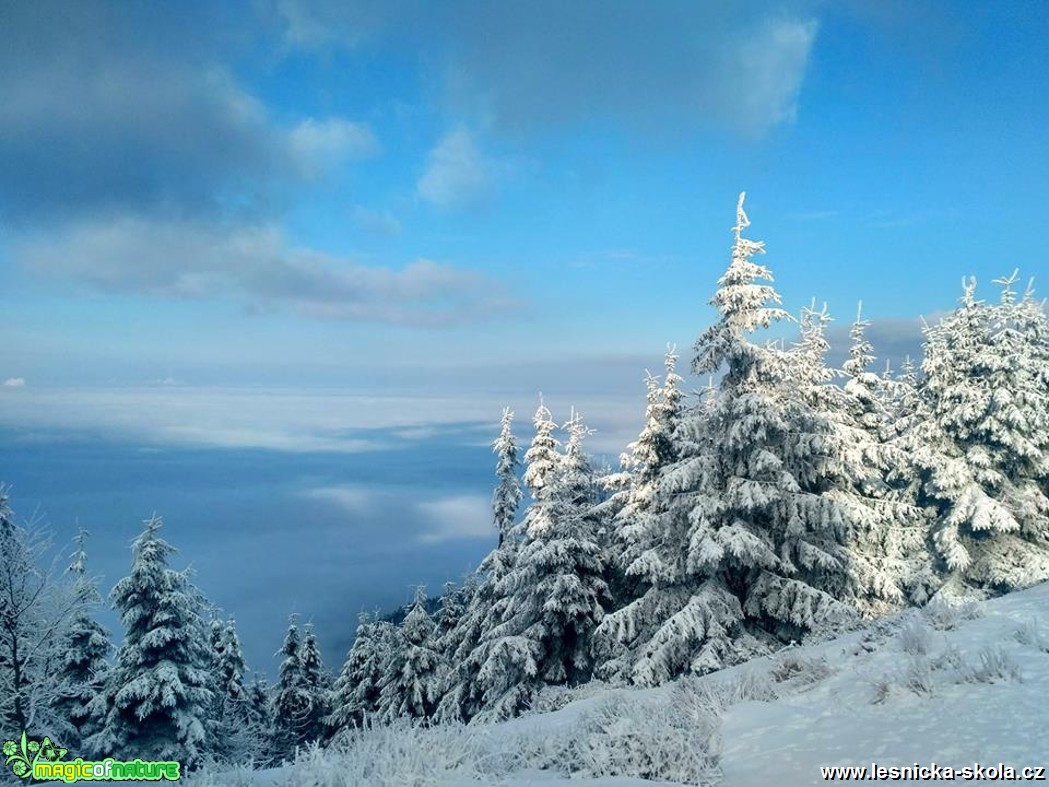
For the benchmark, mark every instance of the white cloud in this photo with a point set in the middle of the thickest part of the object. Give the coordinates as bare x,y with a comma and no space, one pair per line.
255,265
14,382
457,174
319,145
457,517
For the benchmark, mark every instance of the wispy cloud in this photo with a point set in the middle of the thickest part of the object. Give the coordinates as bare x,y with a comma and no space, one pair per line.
530,66
319,145
375,222
457,174
256,266
14,382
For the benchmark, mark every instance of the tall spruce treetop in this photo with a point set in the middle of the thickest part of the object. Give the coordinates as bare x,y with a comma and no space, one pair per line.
542,462
744,306
157,695
507,495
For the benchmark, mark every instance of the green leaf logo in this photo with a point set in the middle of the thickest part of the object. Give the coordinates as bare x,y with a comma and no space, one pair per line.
22,754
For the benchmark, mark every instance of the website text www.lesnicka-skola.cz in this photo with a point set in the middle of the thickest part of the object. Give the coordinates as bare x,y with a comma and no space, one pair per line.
933,772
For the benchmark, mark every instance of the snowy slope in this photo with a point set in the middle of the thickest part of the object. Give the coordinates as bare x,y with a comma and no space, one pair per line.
945,686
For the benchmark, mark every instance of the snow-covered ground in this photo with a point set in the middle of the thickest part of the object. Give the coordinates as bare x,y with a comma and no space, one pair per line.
950,686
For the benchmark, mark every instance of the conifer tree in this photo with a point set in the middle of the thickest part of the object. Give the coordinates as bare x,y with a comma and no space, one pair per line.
555,591
413,679
357,691
239,731
82,673
317,685
638,501
507,495
747,550
157,695
291,700
885,532
982,449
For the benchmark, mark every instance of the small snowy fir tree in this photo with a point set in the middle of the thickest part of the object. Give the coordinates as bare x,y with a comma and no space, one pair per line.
471,645
644,463
356,691
157,694
291,699
317,684
460,699
983,448
86,646
413,679
241,734
555,591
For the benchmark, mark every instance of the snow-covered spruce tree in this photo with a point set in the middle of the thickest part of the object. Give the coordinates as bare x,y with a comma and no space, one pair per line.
886,533
459,697
747,551
82,671
157,697
413,679
485,598
241,733
291,701
317,683
983,447
302,703
260,716
507,495
357,689
637,501
35,609
555,591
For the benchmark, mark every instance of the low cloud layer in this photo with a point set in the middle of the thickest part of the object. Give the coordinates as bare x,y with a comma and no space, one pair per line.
457,517
256,266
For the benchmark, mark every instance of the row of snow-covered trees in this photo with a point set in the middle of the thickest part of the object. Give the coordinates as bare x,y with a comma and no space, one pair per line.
176,687
789,498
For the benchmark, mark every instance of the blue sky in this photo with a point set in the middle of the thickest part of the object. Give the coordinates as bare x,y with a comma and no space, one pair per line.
335,230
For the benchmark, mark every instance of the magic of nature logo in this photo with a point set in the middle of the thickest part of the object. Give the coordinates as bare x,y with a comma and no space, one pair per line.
44,761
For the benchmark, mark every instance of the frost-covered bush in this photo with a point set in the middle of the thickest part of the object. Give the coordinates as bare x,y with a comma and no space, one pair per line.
918,675
1030,634
800,670
676,740
946,615
914,638
995,664
552,698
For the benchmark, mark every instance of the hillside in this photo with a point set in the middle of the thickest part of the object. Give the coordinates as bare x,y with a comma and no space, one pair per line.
951,686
